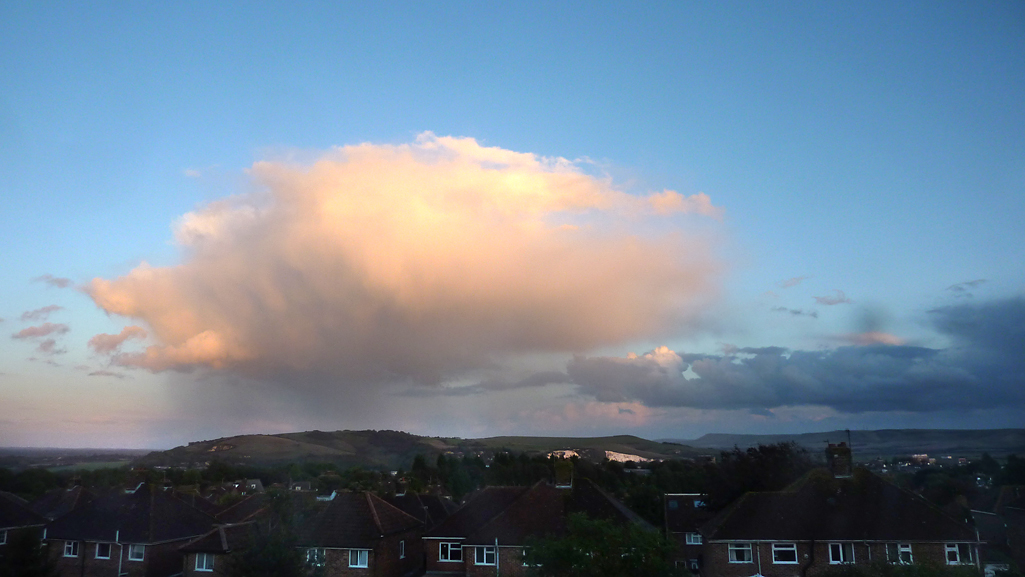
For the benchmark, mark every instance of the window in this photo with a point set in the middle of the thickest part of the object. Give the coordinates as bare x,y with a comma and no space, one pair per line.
3,537
698,503
103,550
484,555
841,553
450,552
673,504
402,549
740,553
695,565
899,553
359,557
316,557
693,538
204,562
959,554
71,548
784,553
136,552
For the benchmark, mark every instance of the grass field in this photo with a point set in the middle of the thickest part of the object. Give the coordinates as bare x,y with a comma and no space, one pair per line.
89,466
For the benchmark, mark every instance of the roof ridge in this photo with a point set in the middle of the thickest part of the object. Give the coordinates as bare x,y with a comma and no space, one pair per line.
508,505
927,502
389,505
373,512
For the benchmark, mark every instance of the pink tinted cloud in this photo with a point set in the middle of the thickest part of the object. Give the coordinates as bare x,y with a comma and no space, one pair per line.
417,261
837,298
42,330
49,347
41,313
872,338
106,344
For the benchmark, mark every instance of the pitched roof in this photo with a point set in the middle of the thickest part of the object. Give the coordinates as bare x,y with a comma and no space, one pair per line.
16,512
59,502
144,516
429,509
511,514
864,507
356,520
244,510
222,539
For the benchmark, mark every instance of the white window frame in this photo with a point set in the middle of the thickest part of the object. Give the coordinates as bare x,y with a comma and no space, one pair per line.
402,549
3,537
445,550
735,548
955,548
787,548
692,538
895,552
362,559
98,556
132,550
205,567
480,555
845,549
71,548
316,556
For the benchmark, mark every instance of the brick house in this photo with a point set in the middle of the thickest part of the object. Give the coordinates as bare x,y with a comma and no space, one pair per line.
17,518
486,536
825,519
360,534
429,509
208,554
684,515
132,532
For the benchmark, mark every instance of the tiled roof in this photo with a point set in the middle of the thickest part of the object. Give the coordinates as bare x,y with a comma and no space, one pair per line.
16,512
146,516
429,509
244,510
59,502
511,514
356,520
864,507
222,539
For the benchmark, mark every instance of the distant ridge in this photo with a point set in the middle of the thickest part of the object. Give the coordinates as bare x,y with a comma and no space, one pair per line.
885,442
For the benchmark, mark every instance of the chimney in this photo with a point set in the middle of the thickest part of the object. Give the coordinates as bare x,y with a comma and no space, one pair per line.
839,459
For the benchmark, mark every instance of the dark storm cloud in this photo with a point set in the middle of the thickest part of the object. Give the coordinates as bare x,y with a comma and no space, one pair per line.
985,368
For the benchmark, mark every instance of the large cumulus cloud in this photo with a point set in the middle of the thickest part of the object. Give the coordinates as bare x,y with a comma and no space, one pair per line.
415,263
983,368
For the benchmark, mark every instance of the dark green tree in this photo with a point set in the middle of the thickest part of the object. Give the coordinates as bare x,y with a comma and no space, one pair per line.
24,556
598,548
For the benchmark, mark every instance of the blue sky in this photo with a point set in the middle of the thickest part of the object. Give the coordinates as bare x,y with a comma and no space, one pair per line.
876,150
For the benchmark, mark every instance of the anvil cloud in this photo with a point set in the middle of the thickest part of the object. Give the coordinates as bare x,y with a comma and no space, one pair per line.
416,263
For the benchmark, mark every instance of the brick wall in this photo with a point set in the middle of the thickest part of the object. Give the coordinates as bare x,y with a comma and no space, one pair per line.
158,561
716,558
434,564
220,566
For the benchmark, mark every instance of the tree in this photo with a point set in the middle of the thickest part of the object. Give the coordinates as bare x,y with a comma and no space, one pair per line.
24,556
270,554
598,548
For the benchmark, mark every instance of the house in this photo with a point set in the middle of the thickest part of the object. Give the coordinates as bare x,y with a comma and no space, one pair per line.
684,515
486,536
208,554
134,532
60,502
362,534
832,517
17,518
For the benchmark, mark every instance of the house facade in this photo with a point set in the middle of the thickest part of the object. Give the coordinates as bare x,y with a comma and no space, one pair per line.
17,519
684,514
825,520
135,533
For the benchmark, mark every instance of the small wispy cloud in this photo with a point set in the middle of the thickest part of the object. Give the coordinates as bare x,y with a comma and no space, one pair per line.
105,373
42,330
962,289
54,281
797,312
837,298
791,282
40,314
871,338
49,347
105,343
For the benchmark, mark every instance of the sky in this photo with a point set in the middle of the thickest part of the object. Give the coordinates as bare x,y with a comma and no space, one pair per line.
574,219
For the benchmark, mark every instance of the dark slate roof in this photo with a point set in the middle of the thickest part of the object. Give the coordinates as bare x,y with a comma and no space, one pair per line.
245,510
16,512
685,517
196,501
864,507
511,514
146,516
356,520
222,539
429,509
59,502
